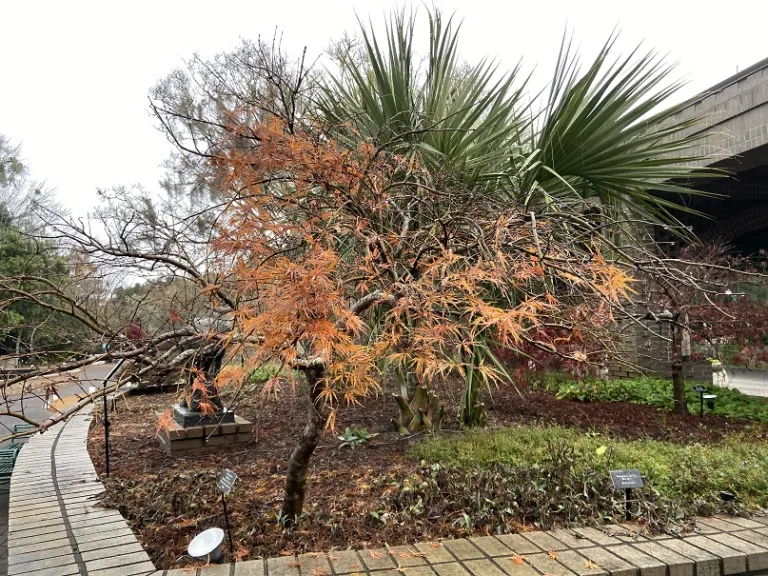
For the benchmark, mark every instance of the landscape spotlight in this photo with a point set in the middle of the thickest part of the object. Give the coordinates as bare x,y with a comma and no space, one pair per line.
207,545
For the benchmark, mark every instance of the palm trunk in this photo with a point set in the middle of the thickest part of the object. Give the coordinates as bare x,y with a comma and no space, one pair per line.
298,464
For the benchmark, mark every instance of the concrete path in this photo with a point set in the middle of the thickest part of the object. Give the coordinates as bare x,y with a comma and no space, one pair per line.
33,405
750,382
54,526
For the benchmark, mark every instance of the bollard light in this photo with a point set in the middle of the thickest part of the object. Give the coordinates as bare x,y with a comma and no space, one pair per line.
207,545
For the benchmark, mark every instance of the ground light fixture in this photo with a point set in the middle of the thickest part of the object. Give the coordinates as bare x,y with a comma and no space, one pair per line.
207,545
700,390
710,400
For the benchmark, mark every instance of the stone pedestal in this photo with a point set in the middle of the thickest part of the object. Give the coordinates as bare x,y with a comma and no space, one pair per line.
202,432
185,417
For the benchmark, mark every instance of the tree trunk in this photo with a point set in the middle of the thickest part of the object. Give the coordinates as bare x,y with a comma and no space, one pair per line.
678,386
678,378
18,349
298,464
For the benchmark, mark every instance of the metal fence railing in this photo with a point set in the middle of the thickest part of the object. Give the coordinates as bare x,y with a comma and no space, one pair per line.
8,453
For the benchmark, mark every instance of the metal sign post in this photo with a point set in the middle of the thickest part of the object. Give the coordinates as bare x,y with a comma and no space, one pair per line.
106,413
628,504
626,480
224,485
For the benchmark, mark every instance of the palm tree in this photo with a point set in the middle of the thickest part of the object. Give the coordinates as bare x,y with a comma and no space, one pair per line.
594,143
453,116
594,135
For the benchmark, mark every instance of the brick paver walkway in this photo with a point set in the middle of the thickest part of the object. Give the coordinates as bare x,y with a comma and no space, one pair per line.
55,530
54,527
721,547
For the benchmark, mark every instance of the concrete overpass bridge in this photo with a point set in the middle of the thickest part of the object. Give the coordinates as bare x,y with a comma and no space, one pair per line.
734,130
734,137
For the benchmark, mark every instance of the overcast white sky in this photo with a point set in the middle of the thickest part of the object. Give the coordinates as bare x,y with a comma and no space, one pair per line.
75,74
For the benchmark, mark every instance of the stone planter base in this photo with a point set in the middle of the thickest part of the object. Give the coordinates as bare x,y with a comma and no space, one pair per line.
177,440
187,418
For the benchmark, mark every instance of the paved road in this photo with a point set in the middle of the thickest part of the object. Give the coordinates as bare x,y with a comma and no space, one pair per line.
34,406
752,382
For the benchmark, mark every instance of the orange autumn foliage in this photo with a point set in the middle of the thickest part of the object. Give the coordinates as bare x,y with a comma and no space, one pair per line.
352,258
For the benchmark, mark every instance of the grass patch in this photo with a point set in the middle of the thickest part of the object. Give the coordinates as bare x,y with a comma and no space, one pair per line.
263,373
691,475
654,392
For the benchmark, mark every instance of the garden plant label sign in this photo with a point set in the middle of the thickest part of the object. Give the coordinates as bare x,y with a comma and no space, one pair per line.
624,479
226,481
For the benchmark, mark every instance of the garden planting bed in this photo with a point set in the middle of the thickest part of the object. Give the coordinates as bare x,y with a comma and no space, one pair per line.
381,492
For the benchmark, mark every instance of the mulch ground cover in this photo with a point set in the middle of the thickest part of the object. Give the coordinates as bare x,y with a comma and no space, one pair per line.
168,500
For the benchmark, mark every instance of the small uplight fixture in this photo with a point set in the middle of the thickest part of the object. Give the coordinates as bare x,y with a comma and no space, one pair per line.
207,545
710,400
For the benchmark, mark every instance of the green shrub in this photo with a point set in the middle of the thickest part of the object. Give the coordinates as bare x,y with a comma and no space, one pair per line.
354,437
263,374
689,474
654,392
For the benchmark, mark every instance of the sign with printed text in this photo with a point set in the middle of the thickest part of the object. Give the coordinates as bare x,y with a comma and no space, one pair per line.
226,481
624,479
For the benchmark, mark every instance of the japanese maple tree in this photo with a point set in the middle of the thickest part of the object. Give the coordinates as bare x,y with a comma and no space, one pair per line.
385,214
343,259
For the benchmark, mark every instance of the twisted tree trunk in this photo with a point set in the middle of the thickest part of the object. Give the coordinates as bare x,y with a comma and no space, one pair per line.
298,464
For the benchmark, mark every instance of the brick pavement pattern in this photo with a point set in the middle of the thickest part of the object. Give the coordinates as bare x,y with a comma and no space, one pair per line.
723,546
